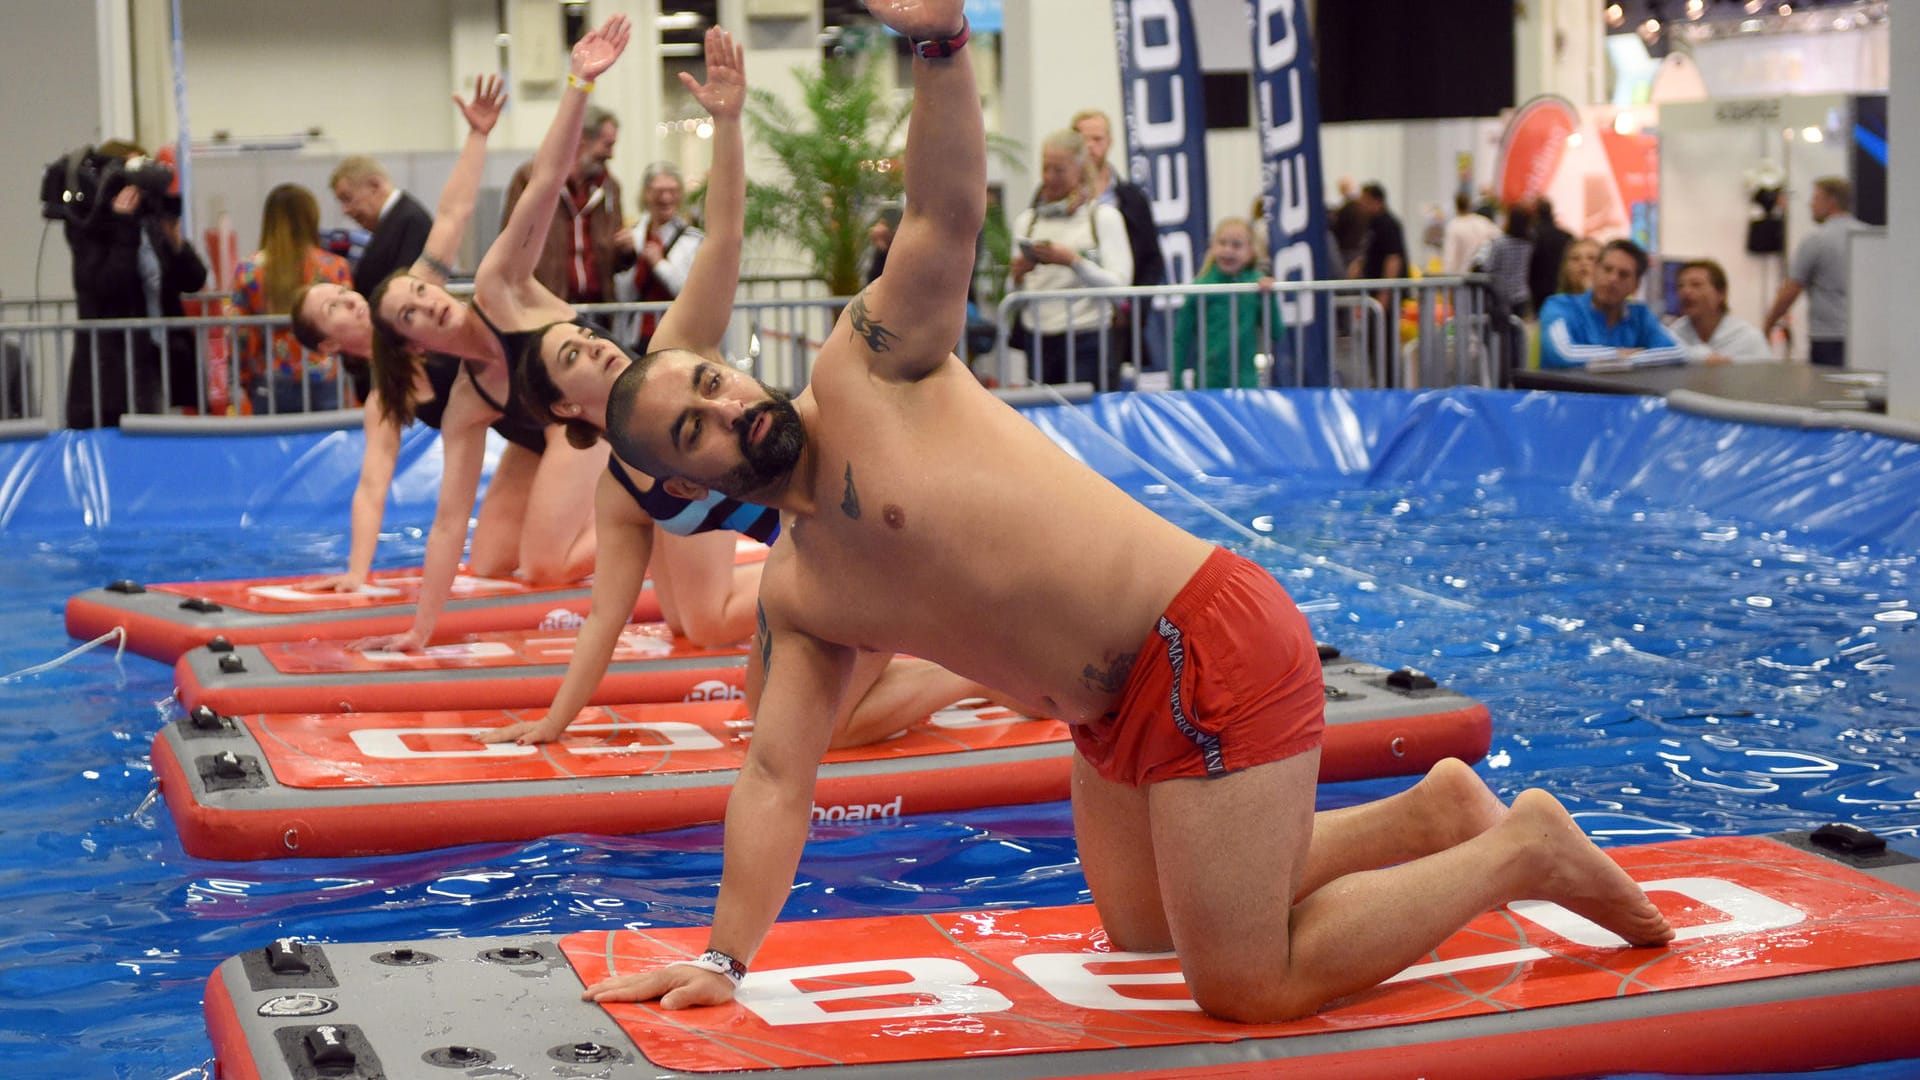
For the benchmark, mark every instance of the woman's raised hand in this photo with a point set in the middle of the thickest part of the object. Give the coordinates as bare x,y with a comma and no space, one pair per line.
489,97
725,90
597,51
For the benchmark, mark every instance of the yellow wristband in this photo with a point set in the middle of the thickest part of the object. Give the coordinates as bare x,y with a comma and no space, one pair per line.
576,81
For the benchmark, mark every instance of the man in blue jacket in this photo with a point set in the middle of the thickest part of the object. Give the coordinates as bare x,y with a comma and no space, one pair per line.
1604,327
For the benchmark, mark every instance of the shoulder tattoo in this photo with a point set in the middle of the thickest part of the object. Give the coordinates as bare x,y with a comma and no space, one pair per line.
1112,678
766,639
850,501
868,328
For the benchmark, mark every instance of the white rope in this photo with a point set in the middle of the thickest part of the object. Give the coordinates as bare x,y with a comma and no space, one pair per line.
119,650
1295,554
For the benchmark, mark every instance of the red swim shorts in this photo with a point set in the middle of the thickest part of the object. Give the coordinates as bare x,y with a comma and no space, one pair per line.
1229,679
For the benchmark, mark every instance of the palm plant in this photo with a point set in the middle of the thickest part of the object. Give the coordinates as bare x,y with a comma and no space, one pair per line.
841,157
840,166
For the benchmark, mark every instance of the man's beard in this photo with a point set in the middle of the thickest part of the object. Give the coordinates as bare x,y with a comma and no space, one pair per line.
774,457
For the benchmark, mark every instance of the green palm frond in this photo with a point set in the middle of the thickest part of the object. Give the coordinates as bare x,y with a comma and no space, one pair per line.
839,150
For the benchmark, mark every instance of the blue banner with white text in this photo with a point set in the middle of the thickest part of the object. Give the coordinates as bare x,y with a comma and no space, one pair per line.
1164,102
1287,96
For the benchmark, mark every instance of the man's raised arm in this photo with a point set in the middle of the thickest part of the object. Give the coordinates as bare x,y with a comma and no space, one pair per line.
930,265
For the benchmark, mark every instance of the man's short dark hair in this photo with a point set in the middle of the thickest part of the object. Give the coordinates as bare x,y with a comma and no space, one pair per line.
1632,251
1374,190
626,442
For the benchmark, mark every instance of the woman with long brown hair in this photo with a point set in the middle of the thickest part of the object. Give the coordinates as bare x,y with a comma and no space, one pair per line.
285,376
413,317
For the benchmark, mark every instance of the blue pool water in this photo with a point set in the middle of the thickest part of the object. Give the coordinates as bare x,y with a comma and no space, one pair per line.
1666,671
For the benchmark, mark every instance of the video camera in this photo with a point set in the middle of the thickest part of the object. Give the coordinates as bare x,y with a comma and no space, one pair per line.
79,186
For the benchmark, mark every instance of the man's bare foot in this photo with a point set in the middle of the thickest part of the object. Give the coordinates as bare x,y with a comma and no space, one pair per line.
1455,804
1579,876
920,18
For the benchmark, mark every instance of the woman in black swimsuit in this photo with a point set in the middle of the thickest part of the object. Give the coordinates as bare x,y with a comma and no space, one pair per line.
333,318
540,480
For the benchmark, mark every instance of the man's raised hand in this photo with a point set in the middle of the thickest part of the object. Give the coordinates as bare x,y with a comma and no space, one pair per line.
920,19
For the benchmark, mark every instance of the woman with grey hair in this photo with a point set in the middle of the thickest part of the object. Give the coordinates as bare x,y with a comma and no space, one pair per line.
1069,240
665,248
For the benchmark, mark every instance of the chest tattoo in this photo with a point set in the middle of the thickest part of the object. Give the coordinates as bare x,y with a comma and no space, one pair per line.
1112,677
867,328
850,501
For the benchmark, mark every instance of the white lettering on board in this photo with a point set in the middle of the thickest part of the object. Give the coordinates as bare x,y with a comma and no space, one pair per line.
939,986
657,738
1746,911
1068,976
858,811
953,987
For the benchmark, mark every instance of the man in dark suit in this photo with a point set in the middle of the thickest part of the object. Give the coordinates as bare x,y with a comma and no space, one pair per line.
399,225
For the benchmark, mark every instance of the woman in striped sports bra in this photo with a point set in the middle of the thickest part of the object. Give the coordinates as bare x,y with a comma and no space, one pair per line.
689,543
540,480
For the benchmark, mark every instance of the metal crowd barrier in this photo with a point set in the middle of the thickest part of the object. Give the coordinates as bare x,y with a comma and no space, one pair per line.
1436,331
37,309
1427,332
37,358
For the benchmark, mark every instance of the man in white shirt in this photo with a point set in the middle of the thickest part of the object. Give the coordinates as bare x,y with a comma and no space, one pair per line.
1464,236
1709,332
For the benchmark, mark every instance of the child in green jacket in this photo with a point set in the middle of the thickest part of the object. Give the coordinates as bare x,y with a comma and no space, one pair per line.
1234,334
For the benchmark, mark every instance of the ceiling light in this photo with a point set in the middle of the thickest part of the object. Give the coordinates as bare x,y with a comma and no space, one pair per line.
1812,134
1615,14
679,20
1696,8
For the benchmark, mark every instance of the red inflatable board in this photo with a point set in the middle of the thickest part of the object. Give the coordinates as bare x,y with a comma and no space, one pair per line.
271,786
373,783
163,621
505,669
1788,956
